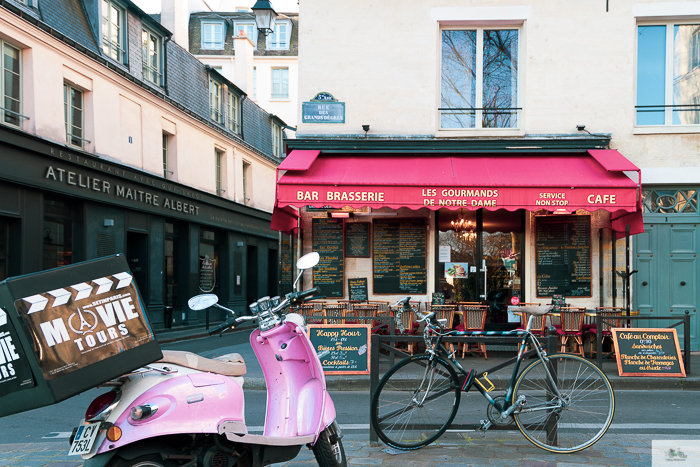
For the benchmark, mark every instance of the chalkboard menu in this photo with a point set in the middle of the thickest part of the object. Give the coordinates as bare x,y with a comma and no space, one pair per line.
648,352
358,289
399,256
357,239
343,349
287,276
563,256
328,242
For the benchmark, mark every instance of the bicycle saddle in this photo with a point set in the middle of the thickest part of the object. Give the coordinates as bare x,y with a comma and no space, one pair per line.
533,310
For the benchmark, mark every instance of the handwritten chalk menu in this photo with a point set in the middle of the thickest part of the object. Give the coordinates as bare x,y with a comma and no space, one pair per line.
343,349
648,352
399,256
328,242
357,289
563,246
287,276
357,239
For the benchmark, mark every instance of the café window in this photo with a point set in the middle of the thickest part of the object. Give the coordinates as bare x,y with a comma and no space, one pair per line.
668,74
479,79
208,261
480,258
57,232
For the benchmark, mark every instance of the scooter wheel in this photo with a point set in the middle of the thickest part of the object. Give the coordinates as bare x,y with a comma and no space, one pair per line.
151,460
329,454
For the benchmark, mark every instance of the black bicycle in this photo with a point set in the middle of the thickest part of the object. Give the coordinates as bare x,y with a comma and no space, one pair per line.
561,403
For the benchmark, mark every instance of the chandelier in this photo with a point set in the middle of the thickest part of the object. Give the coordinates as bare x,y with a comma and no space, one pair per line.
465,230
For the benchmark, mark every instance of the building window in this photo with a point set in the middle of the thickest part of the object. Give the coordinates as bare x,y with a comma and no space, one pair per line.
668,74
219,155
479,83
276,140
280,83
215,100
249,29
167,159
246,182
152,65
213,35
234,114
279,39
10,85
73,112
670,201
57,233
113,31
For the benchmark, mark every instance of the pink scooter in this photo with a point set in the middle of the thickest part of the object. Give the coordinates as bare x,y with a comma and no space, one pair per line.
188,411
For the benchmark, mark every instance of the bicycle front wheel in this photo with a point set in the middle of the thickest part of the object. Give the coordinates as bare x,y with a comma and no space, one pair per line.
415,402
576,417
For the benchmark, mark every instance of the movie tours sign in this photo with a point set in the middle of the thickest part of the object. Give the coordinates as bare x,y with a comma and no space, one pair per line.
15,373
85,323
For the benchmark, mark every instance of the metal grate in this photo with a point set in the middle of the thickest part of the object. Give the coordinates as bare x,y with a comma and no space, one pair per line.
106,245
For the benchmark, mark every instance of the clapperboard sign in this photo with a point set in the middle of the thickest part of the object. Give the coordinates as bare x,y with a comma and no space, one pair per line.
343,349
648,352
77,327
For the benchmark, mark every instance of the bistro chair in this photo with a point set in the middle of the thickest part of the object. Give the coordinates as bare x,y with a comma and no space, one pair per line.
409,325
446,312
571,328
335,312
369,309
473,319
314,312
613,315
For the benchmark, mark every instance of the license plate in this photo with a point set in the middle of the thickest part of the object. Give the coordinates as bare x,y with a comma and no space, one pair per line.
84,439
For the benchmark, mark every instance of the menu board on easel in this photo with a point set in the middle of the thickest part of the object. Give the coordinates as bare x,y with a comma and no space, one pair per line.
328,242
563,245
357,239
399,256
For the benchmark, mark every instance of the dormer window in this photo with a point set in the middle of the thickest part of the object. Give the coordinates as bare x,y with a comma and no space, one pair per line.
113,31
152,57
213,35
280,37
215,100
250,30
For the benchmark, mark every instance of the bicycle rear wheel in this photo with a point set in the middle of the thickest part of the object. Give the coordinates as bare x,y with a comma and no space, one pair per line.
569,423
415,402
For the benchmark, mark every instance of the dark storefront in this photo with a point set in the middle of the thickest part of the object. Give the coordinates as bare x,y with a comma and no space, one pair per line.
59,206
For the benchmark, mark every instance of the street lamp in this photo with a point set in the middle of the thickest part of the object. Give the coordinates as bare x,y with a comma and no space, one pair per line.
265,16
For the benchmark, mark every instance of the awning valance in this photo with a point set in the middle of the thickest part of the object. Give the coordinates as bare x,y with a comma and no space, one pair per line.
532,182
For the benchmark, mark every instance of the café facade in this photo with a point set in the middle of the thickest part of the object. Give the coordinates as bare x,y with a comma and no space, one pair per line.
499,222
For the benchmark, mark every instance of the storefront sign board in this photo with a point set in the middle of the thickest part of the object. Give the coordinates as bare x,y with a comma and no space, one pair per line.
328,242
648,352
357,289
357,239
399,257
343,349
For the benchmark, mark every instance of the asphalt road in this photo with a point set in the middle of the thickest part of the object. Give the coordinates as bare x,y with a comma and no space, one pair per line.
638,412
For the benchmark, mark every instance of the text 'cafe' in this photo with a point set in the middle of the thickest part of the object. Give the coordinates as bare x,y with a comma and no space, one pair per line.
497,228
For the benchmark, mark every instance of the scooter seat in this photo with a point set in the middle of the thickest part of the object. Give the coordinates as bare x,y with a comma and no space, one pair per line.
228,365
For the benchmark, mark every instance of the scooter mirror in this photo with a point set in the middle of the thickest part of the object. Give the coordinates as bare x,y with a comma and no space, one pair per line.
308,261
200,302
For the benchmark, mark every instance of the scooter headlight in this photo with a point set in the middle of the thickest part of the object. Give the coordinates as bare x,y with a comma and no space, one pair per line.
142,412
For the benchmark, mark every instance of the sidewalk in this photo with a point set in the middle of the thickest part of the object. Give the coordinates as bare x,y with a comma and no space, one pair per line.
254,378
452,450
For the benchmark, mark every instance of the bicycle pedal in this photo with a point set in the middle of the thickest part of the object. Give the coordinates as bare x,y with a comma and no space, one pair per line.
485,425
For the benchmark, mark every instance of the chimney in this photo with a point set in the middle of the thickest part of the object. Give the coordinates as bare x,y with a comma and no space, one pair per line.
243,63
175,17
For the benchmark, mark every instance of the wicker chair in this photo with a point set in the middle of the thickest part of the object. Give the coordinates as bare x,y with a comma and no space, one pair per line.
314,312
446,312
571,328
368,309
408,323
613,316
335,313
473,319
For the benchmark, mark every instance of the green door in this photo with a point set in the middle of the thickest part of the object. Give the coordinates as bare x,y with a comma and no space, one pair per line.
666,284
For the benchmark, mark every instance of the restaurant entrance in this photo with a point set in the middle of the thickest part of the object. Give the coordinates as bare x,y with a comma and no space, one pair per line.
480,258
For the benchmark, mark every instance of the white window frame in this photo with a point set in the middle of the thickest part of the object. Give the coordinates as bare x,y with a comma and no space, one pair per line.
234,112
219,171
280,97
5,113
167,146
246,182
272,41
215,101
668,126
121,47
276,140
251,26
147,68
212,45
68,116
479,85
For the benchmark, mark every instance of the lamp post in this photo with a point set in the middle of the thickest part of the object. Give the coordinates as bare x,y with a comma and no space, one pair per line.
265,16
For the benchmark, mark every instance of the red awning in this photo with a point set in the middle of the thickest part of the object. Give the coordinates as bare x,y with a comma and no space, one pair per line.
284,219
532,182
299,160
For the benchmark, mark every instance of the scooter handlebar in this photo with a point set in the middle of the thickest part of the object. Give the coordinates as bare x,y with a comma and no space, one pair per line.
227,324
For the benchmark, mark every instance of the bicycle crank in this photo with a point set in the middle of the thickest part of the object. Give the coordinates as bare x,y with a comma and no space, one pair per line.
494,416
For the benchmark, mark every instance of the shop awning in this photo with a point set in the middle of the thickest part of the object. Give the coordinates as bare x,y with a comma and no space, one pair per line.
284,219
554,182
